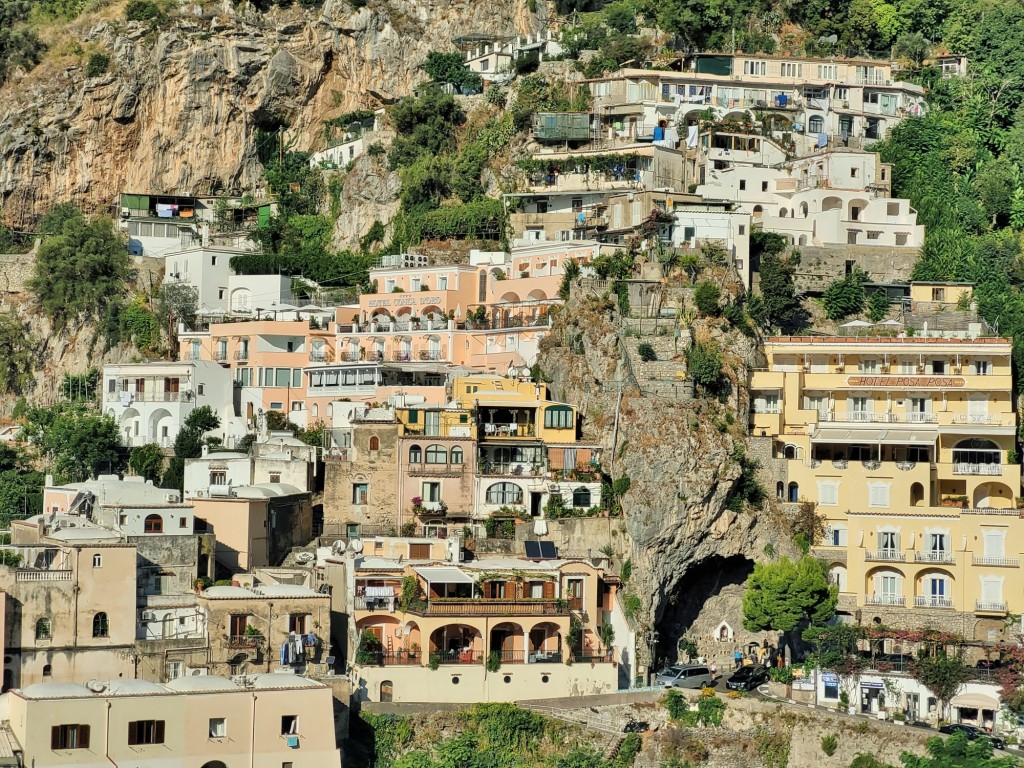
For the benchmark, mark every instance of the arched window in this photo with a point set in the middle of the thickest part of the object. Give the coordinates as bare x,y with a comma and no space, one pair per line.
581,497
816,124
374,443
794,492
456,455
97,561
415,454
758,211
153,524
436,454
43,629
100,625
780,490
977,451
47,670
504,493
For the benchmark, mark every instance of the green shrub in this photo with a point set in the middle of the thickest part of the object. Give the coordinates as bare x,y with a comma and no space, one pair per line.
646,352
626,571
621,485
676,704
631,606
706,296
845,297
142,10
97,65
369,649
704,365
628,750
494,662
829,744
710,711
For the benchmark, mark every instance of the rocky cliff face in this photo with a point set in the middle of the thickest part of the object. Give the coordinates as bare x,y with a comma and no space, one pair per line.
681,455
179,110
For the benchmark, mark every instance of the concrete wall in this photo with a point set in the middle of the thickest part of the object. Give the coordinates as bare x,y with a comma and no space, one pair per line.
513,682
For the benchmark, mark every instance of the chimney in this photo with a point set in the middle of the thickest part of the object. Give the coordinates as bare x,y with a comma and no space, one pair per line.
49,481
206,450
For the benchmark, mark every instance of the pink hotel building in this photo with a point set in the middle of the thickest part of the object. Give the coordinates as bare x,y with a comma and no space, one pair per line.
418,321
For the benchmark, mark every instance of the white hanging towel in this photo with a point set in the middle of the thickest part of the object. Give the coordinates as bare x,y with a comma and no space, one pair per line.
540,527
692,133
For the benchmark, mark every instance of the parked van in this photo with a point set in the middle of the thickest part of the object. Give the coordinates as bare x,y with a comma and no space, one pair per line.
685,676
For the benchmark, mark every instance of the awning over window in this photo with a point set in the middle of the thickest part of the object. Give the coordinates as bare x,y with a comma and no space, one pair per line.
975,701
890,437
441,575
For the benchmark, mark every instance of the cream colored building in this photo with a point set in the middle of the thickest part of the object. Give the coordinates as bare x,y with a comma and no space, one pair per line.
906,446
494,629
70,609
259,721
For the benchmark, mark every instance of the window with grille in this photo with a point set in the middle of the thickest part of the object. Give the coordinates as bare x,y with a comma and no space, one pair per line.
146,732
69,737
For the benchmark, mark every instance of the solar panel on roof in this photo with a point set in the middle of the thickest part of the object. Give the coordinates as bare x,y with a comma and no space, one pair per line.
547,550
533,549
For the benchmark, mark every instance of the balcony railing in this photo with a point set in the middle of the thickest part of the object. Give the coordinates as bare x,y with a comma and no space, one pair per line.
244,641
151,397
512,470
886,418
885,556
545,657
575,603
461,657
511,657
926,601
33,575
241,354
894,600
398,659
977,469
996,562
362,603
508,430
491,607
990,606
595,657
934,557
437,469
976,418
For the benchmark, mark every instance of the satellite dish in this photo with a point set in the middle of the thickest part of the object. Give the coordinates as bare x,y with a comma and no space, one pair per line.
96,686
305,557
337,547
356,545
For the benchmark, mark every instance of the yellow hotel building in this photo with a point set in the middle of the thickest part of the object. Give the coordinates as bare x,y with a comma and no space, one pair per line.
906,446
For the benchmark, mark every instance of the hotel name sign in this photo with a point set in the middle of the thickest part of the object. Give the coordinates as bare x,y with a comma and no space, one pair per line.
911,382
405,301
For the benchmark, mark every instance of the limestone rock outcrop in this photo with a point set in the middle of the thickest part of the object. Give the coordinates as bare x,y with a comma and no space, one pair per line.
180,109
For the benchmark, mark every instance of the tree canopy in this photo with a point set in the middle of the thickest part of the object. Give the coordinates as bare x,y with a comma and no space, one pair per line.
77,441
451,68
80,271
785,596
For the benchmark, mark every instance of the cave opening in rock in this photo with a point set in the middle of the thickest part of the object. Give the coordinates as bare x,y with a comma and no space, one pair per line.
709,594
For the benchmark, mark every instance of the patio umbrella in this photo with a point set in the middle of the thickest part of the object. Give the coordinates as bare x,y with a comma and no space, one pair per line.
857,324
890,323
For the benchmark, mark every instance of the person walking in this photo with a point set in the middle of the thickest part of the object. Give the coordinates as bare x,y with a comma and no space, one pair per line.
714,669
737,657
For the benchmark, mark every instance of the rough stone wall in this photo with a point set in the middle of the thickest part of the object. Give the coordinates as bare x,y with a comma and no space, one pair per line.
820,265
15,271
377,468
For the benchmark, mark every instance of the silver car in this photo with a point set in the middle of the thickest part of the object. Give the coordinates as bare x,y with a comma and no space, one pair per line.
685,676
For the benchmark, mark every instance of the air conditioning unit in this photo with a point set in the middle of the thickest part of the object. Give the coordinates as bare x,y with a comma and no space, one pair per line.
148,616
846,105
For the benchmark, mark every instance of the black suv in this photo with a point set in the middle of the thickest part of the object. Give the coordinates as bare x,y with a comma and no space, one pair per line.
972,733
747,678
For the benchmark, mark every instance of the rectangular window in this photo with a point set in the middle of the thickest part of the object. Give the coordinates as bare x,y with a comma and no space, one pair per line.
282,376
415,284
297,623
442,283
764,186
218,477
743,184
296,377
828,493
175,669
826,71
755,67
938,366
289,725
558,417
69,737
146,732
218,727
419,551
889,541
238,623
837,536
360,493
431,491
878,496
790,69
938,543
868,366
981,367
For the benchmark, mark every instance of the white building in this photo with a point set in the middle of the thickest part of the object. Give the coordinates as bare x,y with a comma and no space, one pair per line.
150,401
835,197
493,56
278,458
249,294
207,269
351,143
